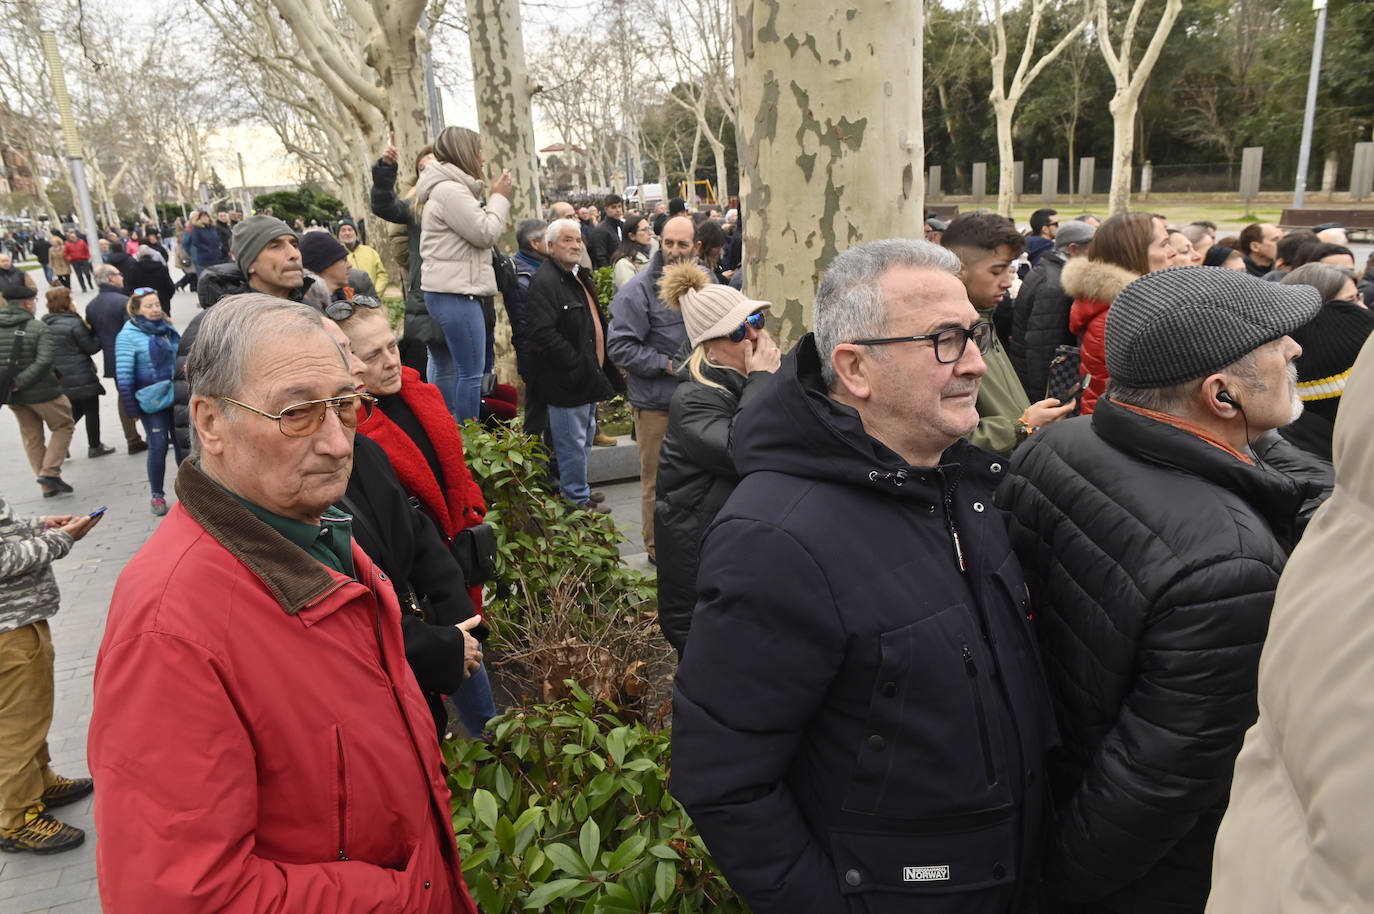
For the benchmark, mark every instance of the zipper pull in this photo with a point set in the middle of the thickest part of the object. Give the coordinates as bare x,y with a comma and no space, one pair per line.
969,666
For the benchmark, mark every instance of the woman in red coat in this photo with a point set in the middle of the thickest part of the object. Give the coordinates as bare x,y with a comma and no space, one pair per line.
414,427
1125,248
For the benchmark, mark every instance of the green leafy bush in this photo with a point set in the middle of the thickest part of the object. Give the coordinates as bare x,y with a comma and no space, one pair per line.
572,609
567,810
605,286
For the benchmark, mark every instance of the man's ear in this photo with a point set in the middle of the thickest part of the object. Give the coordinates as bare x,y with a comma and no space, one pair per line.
851,368
210,421
1213,386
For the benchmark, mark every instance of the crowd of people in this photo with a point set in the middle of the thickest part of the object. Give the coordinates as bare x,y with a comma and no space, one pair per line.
969,589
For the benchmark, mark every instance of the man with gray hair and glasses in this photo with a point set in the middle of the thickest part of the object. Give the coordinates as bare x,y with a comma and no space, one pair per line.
259,743
862,722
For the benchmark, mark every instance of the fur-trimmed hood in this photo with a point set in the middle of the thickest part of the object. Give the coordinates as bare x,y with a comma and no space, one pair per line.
1094,279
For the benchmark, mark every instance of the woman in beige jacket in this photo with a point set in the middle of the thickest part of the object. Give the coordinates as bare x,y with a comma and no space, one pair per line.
1298,837
457,233
57,261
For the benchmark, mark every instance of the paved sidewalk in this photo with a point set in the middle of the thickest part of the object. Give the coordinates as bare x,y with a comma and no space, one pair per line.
66,882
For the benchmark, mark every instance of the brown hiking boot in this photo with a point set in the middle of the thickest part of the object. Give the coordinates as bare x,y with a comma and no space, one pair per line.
603,440
40,834
66,790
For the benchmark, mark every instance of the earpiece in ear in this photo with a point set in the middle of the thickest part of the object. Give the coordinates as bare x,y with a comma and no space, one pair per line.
1224,396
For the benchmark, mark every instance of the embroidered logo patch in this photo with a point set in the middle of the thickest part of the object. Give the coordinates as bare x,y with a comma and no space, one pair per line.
925,873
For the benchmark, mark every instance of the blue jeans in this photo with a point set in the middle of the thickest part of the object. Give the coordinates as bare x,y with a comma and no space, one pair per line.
474,702
460,317
573,428
158,428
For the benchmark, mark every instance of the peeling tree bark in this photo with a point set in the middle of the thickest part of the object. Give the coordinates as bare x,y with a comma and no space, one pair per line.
831,145
502,85
1129,84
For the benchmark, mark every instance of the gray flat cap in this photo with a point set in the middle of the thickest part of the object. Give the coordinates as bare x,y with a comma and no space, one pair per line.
1073,233
1184,323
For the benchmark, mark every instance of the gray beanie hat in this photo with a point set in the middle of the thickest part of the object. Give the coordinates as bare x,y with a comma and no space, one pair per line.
252,235
1184,323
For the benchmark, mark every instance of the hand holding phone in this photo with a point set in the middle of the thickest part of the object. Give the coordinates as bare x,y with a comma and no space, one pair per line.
97,512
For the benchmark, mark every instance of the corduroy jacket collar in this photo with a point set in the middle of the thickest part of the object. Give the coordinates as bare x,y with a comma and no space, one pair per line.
295,579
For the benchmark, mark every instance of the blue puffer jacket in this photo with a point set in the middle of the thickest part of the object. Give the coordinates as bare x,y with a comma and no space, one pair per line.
145,353
206,247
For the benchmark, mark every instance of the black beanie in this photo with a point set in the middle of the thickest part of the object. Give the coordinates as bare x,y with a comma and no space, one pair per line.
1330,343
320,251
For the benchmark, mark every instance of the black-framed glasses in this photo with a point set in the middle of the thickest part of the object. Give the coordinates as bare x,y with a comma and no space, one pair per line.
949,344
755,320
301,420
343,309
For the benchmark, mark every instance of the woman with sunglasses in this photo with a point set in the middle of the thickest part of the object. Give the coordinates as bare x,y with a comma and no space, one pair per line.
145,355
731,358
413,425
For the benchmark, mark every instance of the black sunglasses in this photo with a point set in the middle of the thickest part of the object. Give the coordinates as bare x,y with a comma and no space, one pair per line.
755,320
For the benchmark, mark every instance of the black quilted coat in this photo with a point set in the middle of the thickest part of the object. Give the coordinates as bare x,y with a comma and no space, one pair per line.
1040,324
1152,558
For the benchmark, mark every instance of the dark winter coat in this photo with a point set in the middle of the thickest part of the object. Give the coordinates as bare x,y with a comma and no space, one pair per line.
41,247
1040,324
696,474
15,277
206,247
428,581
644,335
121,262
558,323
603,240
387,205
861,726
149,274
36,381
107,313
526,265
75,344
1152,558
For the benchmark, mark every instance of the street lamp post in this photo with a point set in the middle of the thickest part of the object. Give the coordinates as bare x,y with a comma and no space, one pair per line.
72,141
1313,77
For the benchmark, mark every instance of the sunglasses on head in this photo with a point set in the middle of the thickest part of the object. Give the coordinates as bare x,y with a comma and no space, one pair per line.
755,320
343,309
144,290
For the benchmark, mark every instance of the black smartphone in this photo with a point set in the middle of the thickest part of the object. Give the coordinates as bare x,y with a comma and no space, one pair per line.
1078,389
97,512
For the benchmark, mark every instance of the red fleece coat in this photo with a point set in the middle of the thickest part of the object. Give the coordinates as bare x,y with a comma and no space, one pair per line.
252,761
1094,285
460,504
76,250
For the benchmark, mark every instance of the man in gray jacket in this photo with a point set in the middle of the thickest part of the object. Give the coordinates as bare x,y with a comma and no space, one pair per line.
644,339
28,597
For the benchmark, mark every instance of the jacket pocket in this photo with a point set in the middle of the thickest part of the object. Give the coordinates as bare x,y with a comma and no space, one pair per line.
932,741
981,856
341,772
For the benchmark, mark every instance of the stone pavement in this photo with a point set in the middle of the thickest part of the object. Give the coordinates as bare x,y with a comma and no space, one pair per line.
66,882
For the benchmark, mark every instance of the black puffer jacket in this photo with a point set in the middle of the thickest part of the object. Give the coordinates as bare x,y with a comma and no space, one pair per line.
1152,558
75,344
562,339
1040,324
386,204
860,726
695,475
214,283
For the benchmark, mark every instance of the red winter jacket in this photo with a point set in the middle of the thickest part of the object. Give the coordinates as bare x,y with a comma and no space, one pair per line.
76,250
1094,285
259,741
460,505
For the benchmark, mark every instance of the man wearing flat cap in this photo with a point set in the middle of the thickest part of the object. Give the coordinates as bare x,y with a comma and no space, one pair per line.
1153,540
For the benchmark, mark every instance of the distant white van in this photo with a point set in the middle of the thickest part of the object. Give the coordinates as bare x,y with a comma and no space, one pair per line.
645,195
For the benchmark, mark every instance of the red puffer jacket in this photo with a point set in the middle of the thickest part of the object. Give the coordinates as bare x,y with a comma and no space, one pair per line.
259,741
460,504
1094,285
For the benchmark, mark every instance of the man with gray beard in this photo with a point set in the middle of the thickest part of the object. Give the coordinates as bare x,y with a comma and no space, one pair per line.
1152,540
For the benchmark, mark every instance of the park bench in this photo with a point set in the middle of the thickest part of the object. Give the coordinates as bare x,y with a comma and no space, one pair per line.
1354,220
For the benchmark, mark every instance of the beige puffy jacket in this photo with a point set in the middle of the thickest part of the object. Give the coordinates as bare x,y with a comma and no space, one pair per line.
457,232
1298,835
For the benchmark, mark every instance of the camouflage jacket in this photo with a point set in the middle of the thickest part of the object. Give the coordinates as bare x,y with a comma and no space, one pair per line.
28,589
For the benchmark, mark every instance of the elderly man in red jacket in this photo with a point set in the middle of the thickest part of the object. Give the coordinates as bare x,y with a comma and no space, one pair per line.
258,739
79,256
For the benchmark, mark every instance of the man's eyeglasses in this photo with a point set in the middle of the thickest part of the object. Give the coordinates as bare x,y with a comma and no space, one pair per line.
756,321
949,344
343,309
302,420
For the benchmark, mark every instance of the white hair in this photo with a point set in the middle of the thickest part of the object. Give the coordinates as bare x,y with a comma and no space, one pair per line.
559,226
